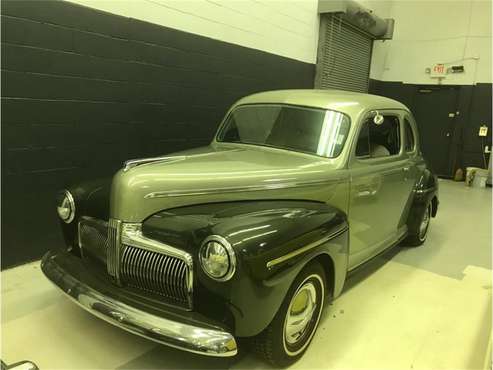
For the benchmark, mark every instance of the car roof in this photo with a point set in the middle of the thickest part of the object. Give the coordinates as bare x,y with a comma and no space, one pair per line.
351,103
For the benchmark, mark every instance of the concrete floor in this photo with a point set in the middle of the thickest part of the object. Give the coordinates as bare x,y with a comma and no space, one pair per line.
414,308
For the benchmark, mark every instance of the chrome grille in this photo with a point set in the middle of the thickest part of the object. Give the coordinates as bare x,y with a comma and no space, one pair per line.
158,273
139,262
113,251
93,237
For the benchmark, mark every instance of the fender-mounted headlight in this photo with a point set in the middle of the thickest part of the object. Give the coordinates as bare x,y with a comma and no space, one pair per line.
217,258
66,206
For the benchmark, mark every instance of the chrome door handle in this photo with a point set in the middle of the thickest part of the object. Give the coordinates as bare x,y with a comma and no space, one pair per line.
405,169
364,193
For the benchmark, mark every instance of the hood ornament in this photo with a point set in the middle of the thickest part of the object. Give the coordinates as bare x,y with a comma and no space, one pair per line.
136,162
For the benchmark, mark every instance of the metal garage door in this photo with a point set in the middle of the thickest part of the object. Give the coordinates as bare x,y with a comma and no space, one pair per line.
344,56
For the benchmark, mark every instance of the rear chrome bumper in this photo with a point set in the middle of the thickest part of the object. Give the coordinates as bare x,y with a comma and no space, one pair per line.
201,340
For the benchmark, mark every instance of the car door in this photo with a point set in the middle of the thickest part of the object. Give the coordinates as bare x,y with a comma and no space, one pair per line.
379,170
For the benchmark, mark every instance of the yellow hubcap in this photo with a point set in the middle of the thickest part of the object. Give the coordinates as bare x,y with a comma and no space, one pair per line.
300,313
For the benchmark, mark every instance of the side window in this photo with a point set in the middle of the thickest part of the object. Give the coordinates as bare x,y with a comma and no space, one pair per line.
363,145
410,141
382,140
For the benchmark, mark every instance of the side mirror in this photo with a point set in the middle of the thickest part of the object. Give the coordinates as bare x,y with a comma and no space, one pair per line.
378,119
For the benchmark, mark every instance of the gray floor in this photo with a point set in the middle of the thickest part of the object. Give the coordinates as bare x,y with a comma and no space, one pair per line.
461,234
413,308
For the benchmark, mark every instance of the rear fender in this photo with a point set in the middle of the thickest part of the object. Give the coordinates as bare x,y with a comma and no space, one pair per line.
425,191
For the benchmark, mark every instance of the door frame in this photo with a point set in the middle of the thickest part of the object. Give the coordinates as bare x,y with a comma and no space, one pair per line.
455,124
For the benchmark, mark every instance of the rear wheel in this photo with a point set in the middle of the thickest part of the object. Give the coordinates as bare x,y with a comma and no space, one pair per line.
288,335
418,235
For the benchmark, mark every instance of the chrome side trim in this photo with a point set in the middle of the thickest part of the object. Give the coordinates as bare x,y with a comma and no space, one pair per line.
191,338
238,189
312,245
136,162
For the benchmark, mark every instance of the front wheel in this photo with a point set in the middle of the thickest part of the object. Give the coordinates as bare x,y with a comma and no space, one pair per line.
288,335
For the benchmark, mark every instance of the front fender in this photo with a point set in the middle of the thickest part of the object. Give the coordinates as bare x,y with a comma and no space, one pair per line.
272,240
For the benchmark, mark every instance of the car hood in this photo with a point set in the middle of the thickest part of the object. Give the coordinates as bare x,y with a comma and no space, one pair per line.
217,173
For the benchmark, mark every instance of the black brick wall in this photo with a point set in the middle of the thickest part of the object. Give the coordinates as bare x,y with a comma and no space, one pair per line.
84,90
480,107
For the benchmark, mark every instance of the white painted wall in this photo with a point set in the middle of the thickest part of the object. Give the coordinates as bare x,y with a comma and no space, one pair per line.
283,27
383,9
436,31
426,31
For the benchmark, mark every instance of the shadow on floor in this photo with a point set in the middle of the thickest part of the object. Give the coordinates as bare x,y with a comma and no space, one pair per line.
370,267
162,357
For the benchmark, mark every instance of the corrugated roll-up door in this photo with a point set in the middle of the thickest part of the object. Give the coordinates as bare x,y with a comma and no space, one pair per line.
344,56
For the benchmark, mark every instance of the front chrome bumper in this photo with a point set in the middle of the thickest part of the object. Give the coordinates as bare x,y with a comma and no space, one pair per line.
201,340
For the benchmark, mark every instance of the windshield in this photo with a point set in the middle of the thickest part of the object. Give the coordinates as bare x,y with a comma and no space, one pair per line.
309,130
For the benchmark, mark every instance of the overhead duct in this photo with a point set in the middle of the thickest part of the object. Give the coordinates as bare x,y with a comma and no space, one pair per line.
359,16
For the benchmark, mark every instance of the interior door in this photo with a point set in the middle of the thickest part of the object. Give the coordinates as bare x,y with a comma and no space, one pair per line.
435,111
378,192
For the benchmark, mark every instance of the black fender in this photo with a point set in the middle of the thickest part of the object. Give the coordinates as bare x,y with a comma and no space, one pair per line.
424,192
272,240
90,198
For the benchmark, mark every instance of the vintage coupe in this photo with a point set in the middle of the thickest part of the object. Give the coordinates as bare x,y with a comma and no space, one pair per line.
251,235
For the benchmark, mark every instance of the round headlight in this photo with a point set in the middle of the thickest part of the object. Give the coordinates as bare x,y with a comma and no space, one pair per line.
217,258
66,206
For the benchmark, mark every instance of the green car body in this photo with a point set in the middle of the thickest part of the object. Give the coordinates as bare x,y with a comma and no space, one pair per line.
277,208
